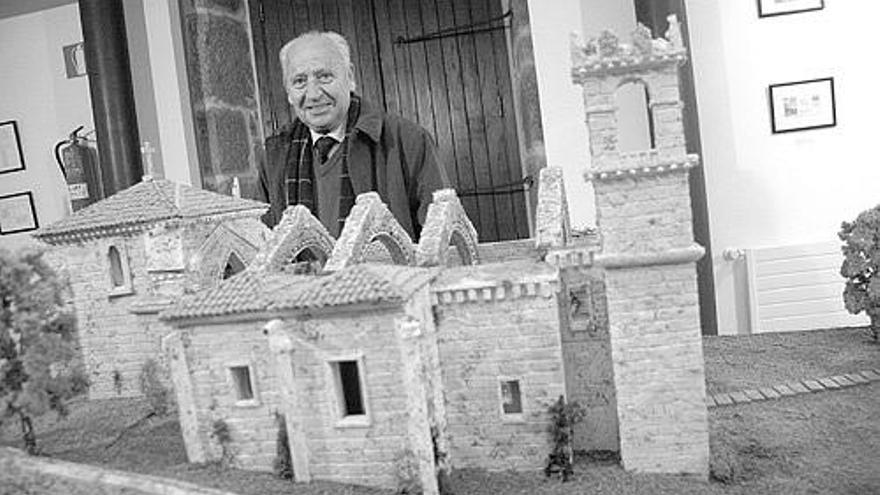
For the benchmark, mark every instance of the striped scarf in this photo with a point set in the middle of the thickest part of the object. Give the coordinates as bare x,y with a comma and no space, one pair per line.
301,188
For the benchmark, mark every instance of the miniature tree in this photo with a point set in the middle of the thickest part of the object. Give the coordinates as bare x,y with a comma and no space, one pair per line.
861,263
564,416
37,372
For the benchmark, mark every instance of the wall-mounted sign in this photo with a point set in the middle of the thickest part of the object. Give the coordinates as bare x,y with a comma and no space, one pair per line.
17,213
797,106
768,8
11,156
74,60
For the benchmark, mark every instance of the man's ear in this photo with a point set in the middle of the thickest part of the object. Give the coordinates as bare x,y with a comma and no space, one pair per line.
353,83
290,99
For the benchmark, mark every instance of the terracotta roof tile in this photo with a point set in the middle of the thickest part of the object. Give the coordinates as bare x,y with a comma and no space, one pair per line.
149,201
358,284
253,291
246,292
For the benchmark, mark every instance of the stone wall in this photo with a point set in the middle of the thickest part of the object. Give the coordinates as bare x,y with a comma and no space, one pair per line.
223,93
114,346
371,452
658,369
210,351
644,215
507,330
24,474
586,348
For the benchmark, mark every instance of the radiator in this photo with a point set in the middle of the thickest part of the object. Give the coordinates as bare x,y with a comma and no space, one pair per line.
797,288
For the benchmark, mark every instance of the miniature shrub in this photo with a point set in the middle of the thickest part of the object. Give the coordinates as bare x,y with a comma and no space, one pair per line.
282,465
220,431
861,263
38,371
406,470
156,393
564,415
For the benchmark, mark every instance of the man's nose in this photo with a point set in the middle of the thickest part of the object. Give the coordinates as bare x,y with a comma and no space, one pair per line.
313,89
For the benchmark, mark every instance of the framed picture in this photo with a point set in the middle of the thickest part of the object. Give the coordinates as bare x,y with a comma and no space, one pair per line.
797,106
11,156
17,213
769,8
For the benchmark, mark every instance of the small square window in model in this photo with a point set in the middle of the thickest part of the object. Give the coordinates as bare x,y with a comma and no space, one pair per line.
511,399
348,384
241,380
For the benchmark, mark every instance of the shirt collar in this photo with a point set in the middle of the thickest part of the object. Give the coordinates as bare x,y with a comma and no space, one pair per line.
338,133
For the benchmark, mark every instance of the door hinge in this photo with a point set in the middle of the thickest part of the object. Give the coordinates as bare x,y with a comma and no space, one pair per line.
262,13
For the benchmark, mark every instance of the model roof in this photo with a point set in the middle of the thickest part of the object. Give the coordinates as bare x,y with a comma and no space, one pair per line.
254,291
145,202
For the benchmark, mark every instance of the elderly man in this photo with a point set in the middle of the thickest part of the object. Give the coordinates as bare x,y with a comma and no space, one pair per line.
340,146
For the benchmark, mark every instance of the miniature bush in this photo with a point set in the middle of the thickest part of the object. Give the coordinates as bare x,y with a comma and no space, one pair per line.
38,372
861,263
564,415
154,390
282,465
220,431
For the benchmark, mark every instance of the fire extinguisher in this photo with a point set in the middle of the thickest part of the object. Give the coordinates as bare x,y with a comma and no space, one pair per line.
79,165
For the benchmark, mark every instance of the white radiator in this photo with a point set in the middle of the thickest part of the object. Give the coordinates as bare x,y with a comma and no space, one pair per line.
797,288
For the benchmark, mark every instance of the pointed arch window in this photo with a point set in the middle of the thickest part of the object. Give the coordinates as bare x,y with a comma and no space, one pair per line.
234,266
119,271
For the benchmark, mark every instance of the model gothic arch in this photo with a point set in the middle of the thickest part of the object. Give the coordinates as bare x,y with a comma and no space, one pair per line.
447,224
370,220
298,237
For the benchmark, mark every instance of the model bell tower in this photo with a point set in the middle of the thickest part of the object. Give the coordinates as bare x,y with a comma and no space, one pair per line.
648,253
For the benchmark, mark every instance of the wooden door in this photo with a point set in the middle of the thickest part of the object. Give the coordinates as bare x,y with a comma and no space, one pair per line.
457,87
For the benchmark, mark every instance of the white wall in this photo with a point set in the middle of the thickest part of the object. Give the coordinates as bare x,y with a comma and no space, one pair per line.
770,190
35,92
562,106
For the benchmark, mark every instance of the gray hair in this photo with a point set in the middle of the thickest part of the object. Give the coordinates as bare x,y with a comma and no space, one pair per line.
335,38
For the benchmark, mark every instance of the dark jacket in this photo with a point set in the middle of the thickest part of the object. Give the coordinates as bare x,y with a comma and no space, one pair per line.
387,153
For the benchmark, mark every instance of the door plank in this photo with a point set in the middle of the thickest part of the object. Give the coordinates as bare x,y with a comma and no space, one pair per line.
473,93
402,73
370,84
510,140
419,63
386,56
499,173
439,94
464,164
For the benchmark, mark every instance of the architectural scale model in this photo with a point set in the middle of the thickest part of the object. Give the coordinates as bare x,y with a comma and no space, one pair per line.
448,354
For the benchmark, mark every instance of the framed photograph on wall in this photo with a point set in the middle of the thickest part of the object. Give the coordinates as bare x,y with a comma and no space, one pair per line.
802,105
17,213
11,156
769,8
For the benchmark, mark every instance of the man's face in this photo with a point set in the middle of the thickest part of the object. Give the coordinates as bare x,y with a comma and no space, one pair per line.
319,84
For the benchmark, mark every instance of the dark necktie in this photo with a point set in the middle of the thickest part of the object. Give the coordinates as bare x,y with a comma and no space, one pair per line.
323,146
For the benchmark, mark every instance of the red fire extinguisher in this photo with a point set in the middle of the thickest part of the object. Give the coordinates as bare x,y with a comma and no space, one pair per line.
79,165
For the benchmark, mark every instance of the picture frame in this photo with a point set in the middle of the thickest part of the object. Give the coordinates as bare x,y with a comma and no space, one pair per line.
802,105
772,8
18,213
11,154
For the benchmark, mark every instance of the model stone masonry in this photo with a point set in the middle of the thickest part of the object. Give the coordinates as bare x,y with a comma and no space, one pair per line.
132,255
448,353
648,254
